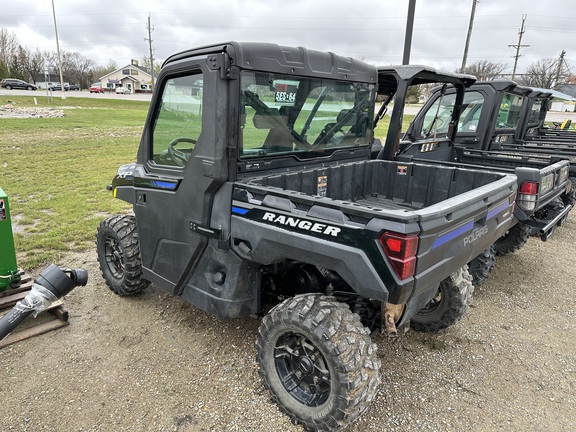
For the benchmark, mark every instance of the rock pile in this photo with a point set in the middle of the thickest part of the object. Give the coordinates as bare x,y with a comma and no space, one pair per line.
10,111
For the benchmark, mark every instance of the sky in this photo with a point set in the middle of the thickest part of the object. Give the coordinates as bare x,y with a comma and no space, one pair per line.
371,30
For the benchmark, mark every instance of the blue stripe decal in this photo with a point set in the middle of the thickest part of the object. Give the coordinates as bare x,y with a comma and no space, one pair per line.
164,184
453,234
239,210
497,210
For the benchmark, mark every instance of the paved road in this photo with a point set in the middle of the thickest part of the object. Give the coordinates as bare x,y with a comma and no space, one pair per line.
5,94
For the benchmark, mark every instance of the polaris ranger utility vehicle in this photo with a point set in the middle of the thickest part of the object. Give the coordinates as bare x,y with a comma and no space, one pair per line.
545,192
257,195
435,146
535,127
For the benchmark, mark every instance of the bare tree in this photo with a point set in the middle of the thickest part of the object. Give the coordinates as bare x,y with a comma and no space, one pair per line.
97,72
8,49
33,63
79,68
541,74
145,64
75,67
484,70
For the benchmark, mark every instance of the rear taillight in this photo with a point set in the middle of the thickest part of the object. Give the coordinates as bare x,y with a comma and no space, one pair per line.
401,250
527,194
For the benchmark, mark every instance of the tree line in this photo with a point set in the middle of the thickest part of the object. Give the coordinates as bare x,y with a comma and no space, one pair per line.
23,63
546,73
19,62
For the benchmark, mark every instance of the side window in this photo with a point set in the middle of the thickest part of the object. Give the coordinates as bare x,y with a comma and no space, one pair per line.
509,113
437,118
470,117
535,112
178,121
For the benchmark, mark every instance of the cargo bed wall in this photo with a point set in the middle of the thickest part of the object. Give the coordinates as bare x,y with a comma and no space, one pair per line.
382,183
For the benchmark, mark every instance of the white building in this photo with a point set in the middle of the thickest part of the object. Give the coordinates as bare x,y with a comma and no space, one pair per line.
132,76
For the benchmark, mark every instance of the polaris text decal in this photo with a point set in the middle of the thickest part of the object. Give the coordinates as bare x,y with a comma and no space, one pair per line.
476,234
302,224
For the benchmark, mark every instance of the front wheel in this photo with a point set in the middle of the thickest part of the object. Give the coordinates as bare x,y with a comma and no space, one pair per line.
318,362
118,251
448,306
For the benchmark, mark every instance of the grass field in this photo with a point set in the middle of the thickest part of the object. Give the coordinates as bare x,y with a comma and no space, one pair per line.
55,171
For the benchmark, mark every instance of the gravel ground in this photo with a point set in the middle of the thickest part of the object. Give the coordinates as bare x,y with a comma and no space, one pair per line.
155,363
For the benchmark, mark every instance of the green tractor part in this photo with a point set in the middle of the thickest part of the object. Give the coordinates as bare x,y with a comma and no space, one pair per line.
9,274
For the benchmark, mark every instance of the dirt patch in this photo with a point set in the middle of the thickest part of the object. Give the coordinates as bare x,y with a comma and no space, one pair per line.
156,363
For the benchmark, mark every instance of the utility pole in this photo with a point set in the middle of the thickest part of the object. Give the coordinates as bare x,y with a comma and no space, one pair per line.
58,52
150,29
409,31
465,57
559,68
518,46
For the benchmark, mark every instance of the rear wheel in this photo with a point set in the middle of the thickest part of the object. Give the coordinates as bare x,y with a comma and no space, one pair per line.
118,251
481,266
318,361
450,304
513,240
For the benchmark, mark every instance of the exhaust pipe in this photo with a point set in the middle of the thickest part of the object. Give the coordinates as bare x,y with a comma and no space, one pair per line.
50,285
391,314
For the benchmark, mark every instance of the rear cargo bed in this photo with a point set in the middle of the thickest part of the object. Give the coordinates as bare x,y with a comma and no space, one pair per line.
380,184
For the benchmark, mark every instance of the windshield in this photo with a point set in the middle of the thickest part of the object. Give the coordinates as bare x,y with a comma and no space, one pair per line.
305,117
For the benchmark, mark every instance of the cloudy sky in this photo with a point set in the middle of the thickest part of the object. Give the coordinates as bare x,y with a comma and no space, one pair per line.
372,30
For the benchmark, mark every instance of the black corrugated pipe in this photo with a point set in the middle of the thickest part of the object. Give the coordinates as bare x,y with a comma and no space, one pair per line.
50,285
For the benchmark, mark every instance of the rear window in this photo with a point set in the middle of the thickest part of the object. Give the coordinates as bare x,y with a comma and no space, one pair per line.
303,117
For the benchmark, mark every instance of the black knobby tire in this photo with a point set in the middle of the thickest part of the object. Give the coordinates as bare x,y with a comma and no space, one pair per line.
450,304
119,255
481,266
318,361
570,198
513,240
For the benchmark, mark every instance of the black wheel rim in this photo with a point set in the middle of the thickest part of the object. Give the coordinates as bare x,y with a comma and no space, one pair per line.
302,369
114,257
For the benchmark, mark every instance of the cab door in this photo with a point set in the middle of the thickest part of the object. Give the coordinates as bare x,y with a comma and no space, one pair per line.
174,188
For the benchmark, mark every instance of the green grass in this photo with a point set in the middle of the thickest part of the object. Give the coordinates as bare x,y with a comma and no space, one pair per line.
383,125
55,172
